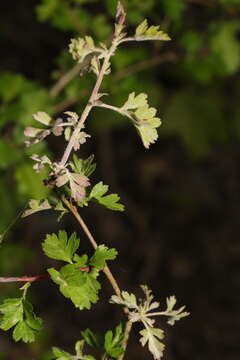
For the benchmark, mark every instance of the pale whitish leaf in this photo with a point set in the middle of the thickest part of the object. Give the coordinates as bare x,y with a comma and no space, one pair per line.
148,134
73,117
135,101
145,112
125,299
144,32
62,180
42,117
174,315
82,47
41,161
67,133
151,336
78,183
31,131
35,206
143,117
95,65
60,247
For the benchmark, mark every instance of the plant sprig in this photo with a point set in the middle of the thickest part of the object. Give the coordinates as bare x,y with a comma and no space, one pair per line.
71,183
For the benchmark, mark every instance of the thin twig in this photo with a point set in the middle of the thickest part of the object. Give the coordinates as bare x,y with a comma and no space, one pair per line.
127,331
88,107
64,80
121,74
145,64
23,278
33,278
80,220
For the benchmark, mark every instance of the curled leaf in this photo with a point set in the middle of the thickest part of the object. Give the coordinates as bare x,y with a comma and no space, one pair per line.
35,206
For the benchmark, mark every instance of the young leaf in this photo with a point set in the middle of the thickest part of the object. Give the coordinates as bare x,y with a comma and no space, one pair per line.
35,206
152,337
125,299
135,101
144,32
59,247
42,117
84,167
81,288
148,134
101,255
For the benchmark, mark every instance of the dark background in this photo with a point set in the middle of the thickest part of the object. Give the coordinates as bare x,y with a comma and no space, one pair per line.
180,231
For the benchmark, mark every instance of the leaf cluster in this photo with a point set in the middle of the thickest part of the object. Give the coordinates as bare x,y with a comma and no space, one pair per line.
77,280
142,311
108,345
18,313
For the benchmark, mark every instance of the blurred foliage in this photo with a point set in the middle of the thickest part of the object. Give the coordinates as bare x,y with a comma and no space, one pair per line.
204,60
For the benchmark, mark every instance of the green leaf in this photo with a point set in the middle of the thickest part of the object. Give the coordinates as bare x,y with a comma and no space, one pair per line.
59,247
112,342
81,261
109,201
101,255
60,354
84,167
12,311
144,32
19,313
92,339
98,190
81,287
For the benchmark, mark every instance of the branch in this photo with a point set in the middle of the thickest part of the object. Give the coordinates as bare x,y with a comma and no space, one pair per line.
127,331
64,80
32,278
121,74
89,105
145,64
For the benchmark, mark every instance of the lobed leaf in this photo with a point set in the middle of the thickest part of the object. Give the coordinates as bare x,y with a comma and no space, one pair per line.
109,201
151,336
60,247
81,288
101,255
144,32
